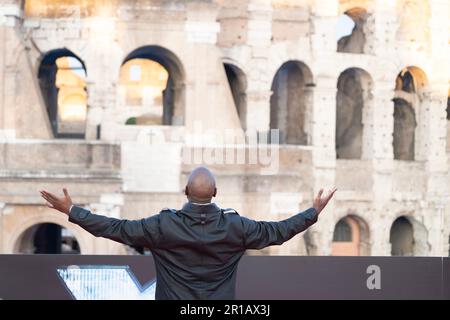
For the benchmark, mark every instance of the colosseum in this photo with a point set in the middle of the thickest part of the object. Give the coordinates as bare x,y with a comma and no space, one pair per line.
107,97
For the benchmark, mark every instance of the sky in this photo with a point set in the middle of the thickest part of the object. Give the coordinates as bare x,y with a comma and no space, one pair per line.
344,27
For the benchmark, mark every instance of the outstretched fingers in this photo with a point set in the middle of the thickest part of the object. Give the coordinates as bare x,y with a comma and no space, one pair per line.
330,194
49,197
48,194
66,193
43,195
319,194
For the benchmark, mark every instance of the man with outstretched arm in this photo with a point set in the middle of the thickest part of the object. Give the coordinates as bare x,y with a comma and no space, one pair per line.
197,249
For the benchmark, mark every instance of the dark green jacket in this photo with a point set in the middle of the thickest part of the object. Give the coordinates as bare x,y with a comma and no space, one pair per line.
196,249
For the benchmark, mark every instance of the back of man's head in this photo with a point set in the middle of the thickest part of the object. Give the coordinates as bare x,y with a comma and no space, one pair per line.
201,186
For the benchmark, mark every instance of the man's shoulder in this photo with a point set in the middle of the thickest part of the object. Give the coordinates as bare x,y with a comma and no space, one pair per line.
229,211
168,211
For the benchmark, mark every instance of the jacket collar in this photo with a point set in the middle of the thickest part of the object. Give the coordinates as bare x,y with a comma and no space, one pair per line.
191,207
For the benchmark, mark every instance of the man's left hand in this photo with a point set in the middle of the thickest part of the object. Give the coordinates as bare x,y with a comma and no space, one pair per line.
320,202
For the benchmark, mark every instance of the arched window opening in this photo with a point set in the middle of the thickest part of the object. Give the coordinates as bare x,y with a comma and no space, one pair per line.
238,85
409,237
402,238
351,237
342,232
350,31
145,80
353,97
151,87
409,86
47,238
291,103
62,79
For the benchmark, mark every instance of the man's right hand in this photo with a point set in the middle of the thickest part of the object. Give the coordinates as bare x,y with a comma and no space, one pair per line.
62,204
320,202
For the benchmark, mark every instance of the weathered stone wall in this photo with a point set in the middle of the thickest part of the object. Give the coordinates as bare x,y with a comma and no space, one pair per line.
134,171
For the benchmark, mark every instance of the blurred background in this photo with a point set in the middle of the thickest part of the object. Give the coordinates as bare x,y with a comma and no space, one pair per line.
100,96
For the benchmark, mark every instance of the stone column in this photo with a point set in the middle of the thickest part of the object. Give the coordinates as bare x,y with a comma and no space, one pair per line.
432,113
205,75
379,234
446,230
434,221
439,26
100,100
259,33
382,142
435,141
382,26
323,127
383,120
259,25
323,116
433,109
258,110
324,122
324,15
368,115
436,103
9,14
103,61
323,113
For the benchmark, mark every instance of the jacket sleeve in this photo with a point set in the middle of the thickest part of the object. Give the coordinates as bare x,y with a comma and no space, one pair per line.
260,234
144,232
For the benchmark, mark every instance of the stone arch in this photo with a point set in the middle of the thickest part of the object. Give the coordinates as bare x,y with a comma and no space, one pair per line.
355,40
61,74
409,97
171,94
19,230
351,237
408,237
237,81
64,9
291,103
346,5
48,238
353,101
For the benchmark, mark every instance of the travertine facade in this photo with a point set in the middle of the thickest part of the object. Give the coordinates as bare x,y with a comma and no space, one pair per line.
367,113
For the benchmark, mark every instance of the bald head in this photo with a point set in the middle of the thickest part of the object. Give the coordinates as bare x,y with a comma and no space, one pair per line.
201,185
